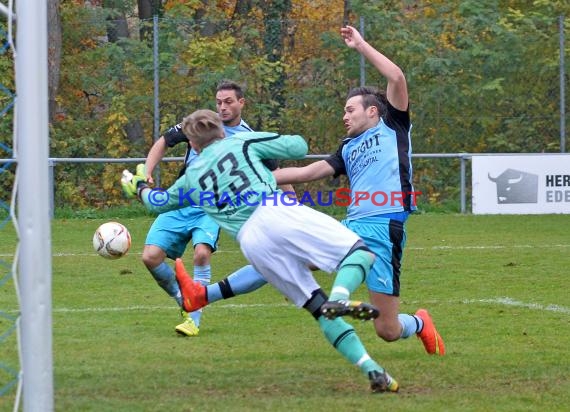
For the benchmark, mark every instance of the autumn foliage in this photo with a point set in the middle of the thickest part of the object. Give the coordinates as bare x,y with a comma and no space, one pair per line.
483,77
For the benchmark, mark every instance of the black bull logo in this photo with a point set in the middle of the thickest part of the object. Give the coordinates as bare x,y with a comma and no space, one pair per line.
514,186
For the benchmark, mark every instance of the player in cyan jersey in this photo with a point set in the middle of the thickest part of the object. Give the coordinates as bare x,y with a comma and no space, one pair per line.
279,237
172,231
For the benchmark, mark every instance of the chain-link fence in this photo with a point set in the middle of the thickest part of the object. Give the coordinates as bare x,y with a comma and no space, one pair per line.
8,313
482,80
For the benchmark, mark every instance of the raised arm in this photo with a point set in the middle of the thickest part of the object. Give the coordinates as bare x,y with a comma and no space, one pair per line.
314,171
155,155
396,89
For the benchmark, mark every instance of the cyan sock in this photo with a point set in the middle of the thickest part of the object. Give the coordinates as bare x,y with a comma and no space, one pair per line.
410,324
203,275
344,339
351,273
242,281
166,279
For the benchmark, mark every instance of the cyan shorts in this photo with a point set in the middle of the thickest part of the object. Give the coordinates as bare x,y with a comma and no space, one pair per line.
172,231
386,238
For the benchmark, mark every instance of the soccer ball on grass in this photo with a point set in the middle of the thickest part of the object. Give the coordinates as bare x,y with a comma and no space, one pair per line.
112,240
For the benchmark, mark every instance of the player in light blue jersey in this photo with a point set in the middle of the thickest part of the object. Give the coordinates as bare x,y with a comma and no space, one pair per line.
376,157
281,238
171,232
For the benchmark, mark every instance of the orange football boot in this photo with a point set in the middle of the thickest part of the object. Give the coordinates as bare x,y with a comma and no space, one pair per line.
433,343
193,293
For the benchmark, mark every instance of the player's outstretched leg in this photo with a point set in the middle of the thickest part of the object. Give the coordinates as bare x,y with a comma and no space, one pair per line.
433,343
193,293
344,339
244,280
342,336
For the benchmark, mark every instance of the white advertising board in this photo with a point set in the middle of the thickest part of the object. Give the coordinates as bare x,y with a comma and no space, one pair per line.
521,184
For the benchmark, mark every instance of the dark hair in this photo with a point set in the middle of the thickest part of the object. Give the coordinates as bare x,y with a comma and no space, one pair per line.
370,97
230,85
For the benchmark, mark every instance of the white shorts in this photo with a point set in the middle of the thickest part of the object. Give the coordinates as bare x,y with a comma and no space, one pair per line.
281,241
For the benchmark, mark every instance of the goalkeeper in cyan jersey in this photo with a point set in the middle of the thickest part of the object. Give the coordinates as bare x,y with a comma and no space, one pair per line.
280,238
171,232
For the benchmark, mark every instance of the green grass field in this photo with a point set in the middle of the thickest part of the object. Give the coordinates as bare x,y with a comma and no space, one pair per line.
497,287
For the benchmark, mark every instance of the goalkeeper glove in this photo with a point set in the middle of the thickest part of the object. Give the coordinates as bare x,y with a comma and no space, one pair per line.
134,184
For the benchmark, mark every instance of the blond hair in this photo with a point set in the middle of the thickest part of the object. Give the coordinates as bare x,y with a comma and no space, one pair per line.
202,127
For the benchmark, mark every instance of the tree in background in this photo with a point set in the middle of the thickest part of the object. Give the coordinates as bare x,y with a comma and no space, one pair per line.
483,75
54,55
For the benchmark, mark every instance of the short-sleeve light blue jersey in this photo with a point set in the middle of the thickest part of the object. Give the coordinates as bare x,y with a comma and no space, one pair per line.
378,165
241,127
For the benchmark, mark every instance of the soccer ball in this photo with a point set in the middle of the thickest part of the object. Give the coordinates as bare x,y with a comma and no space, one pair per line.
112,240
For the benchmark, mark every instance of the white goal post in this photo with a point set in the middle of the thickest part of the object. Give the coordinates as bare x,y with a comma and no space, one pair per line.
32,218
